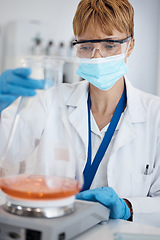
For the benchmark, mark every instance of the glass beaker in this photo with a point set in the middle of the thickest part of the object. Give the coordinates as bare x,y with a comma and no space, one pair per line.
40,173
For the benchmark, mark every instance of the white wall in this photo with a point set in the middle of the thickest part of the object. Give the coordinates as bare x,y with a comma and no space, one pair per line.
57,12
143,64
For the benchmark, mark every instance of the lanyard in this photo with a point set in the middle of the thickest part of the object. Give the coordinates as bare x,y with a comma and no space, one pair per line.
91,169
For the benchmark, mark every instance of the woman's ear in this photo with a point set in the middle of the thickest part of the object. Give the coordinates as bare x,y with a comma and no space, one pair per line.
131,46
130,49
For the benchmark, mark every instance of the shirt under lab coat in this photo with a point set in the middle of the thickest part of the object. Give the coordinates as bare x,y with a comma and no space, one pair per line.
136,144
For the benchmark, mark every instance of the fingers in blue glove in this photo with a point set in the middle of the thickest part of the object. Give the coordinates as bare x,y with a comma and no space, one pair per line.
23,72
31,83
7,98
15,83
104,195
20,91
109,198
16,79
88,195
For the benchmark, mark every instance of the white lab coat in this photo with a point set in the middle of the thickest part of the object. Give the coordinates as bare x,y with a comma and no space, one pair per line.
137,144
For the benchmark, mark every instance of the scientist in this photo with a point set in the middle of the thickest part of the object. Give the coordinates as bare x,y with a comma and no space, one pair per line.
120,141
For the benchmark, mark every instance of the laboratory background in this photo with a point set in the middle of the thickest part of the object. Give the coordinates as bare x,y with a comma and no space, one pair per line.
44,27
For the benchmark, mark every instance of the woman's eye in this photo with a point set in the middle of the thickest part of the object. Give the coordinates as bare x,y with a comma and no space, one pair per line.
110,46
85,48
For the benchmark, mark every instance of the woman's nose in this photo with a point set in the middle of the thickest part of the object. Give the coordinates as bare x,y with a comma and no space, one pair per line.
97,53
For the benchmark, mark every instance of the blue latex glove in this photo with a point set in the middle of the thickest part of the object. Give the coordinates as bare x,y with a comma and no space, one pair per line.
109,198
15,83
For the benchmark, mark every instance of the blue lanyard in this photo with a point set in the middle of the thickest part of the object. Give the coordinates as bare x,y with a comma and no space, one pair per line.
91,169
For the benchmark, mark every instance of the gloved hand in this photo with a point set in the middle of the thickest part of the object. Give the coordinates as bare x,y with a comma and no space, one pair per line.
15,83
109,198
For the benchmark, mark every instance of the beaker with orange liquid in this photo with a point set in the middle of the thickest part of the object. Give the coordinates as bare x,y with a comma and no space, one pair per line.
39,169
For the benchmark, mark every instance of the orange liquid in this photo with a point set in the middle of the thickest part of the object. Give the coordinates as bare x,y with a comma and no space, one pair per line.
39,187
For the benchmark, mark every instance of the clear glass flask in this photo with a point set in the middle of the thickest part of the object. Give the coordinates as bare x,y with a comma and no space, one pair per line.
40,173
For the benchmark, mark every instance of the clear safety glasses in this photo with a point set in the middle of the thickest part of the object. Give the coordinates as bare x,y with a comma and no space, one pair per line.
106,47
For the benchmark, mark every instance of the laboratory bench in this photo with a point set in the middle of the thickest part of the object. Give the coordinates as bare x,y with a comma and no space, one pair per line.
120,230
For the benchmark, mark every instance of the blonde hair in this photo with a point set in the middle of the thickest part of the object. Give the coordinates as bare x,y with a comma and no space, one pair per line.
108,14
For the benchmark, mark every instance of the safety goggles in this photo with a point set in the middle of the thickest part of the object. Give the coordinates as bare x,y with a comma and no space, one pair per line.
106,47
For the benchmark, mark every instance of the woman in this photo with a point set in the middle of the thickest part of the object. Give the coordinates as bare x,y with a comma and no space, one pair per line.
121,160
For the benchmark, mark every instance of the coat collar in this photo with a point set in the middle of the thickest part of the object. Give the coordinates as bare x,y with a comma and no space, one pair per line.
134,113
78,94
78,115
78,110
134,104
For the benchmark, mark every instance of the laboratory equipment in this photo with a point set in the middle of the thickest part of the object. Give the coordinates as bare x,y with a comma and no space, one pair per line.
37,47
85,216
46,184
50,49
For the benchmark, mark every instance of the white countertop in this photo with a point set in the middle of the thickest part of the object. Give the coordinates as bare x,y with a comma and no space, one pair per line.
107,231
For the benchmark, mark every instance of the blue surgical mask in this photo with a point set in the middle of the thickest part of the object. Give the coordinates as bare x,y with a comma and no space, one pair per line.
103,72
